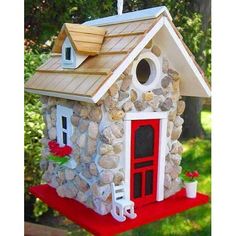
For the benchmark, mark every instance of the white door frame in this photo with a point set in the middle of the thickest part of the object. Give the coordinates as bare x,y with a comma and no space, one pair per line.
162,146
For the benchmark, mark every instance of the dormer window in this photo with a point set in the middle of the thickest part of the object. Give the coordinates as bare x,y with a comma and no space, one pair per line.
68,53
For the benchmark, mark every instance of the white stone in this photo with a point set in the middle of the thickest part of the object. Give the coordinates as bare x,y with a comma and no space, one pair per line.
109,161
117,148
69,174
82,140
178,121
95,114
127,106
91,146
176,132
83,125
118,177
93,130
52,133
93,169
81,197
167,181
106,148
117,130
106,176
180,107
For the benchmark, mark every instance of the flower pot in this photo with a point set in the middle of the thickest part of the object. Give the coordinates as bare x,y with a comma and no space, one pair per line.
191,189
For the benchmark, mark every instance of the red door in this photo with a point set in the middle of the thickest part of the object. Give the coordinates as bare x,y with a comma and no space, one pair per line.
144,160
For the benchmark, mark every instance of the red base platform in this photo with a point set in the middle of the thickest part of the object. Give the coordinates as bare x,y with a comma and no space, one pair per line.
106,225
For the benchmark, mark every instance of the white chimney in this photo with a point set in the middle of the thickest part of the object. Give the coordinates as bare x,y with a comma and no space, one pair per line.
119,7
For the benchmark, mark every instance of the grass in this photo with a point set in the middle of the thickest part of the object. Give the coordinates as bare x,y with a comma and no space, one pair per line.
194,222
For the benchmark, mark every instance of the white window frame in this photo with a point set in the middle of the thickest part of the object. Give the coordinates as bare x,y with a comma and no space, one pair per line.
66,112
163,116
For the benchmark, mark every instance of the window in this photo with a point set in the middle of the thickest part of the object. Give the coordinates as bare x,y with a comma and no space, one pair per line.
146,71
68,53
64,126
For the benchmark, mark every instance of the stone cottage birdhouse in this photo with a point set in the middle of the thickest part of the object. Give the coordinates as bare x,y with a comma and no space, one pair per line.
111,90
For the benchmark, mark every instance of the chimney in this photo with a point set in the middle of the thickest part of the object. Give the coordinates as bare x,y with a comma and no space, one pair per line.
119,7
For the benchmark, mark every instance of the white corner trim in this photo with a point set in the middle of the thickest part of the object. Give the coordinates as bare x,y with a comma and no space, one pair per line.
145,115
162,146
187,56
121,68
155,69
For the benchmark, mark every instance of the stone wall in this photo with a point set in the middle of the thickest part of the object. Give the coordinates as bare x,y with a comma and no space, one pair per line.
98,136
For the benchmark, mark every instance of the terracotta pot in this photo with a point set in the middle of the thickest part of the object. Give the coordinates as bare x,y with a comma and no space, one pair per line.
191,189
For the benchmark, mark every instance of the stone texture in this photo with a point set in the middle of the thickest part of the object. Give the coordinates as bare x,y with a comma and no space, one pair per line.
93,130
81,184
84,112
180,107
69,174
166,105
148,96
106,176
83,125
106,148
158,91
109,103
81,197
126,83
176,159
140,105
178,121
156,50
116,114
123,95
176,132
52,133
93,169
61,175
107,135
154,103
166,81
85,158
54,181
172,115
118,177
175,172
176,148
46,176
170,127
127,106
75,120
109,161
167,181
117,130
43,164
173,74
133,95
76,108
52,101
95,114
149,45
165,65
113,90
117,148
82,140
68,190
91,146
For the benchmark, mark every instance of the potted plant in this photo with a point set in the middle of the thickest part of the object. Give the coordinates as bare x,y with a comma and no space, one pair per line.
190,183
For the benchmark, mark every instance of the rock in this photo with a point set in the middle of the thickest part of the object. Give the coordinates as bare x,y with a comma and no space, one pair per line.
133,95
85,158
156,50
75,120
175,172
167,181
176,148
93,130
176,159
117,130
154,103
165,65
91,146
52,101
83,125
173,74
176,132
84,112
109,103
69,174
101,192
172,115
54,181
76,108
106,148
117,148
176,85
51,167
52,133
166,81
178,121
118,177
81,184
127,106
168,167
43,164
148,96
123,95
175,96
149,45
106,176
113,90
166,105
140,105
158,91
68,190
81,197
126,83
170,127
86,174
81,141
109,161
46,176
44,99
180,107
102,207
96,114
61,175
93,169
116,114
107,135
48,121
75,135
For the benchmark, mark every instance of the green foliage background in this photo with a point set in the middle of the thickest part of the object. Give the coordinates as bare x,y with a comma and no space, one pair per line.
43,20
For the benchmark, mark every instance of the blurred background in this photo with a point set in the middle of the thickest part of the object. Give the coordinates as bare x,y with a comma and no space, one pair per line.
43,21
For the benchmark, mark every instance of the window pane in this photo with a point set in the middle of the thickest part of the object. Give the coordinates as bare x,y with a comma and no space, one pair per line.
64,122
143,164
137,185
64,136
68,53
144,141
148,182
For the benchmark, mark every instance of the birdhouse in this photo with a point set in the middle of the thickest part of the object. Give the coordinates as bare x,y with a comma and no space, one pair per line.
111,96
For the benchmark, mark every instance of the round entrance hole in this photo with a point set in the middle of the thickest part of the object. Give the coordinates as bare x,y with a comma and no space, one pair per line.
143,71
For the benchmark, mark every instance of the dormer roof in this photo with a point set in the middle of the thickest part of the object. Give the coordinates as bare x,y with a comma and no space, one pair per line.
84,39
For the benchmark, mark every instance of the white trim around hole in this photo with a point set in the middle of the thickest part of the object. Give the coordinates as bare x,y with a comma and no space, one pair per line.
155,72
162,148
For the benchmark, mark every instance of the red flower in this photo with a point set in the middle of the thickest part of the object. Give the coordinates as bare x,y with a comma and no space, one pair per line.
189,174
56,150
66,150
195,174
53,144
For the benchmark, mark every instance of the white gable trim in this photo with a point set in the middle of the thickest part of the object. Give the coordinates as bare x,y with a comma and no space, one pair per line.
127,61
187,56
131,16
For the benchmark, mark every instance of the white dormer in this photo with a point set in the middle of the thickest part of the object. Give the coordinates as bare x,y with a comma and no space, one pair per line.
69,58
